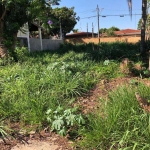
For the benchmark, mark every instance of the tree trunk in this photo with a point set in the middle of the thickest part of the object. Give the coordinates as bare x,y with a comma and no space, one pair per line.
1,25
3,50
1,30
13,46
143,24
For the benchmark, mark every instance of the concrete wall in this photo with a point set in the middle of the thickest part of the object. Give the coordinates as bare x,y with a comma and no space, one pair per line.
104,39
48,44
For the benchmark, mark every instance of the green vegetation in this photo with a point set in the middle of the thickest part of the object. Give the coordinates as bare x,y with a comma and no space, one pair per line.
39,12
109,31
67,17
61,119
42,81
42,87
121,124
11,20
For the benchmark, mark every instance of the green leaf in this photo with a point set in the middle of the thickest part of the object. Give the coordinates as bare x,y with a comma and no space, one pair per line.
67,112
59,109
80,119
49,119
70,119
57,124
62,132
106,62
48,111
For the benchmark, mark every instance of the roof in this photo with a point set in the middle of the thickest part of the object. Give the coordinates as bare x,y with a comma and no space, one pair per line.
79,33
127,32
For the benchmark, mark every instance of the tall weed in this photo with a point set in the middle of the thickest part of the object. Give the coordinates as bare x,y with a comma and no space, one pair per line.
44,81
121,124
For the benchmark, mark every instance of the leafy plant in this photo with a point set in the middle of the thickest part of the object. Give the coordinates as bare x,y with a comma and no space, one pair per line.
61,119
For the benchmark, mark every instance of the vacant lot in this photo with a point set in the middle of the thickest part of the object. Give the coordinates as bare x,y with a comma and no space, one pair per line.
79,92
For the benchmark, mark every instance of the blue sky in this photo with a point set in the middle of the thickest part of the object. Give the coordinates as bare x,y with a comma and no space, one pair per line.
85,9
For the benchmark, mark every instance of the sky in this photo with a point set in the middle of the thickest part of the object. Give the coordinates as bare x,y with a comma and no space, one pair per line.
112,9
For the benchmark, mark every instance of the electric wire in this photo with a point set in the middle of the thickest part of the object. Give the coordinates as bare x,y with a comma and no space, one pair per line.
121,15
93,10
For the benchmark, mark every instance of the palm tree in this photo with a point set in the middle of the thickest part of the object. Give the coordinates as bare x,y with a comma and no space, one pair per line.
143,23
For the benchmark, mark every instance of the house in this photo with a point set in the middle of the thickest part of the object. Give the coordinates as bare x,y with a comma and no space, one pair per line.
81,35
24,34
36,43
125,33
128,32
121,33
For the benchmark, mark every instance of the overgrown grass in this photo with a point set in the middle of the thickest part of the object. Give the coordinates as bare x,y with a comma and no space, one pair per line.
121,124
46,80
43,81
112,51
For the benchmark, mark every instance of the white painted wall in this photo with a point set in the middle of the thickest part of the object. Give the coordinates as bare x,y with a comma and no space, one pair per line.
24,33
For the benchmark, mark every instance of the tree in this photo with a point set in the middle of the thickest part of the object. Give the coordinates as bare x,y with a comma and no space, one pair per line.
75,30
143,23
103,30
139,24
10,21
4,5
109,31
64,16
147,22
12,24
113,28
14,13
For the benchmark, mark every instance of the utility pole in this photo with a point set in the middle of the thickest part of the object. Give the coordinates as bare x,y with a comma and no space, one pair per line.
87,29
60,30
98,23
92,30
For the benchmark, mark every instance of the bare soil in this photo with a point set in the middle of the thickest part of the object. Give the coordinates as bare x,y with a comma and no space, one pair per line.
46,140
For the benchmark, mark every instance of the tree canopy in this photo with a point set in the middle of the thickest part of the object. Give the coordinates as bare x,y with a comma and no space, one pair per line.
15,13
66,16
109,31
147,22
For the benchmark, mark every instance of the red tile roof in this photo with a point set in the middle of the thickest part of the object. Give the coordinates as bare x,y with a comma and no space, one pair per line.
127,31
121,33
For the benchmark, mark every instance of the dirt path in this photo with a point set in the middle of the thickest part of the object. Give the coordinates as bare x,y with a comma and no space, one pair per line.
37,145
37,141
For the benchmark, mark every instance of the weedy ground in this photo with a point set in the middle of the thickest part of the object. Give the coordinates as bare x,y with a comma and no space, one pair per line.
43,88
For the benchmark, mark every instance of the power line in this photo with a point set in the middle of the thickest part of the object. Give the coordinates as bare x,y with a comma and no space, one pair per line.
88,17
121,15
94,10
